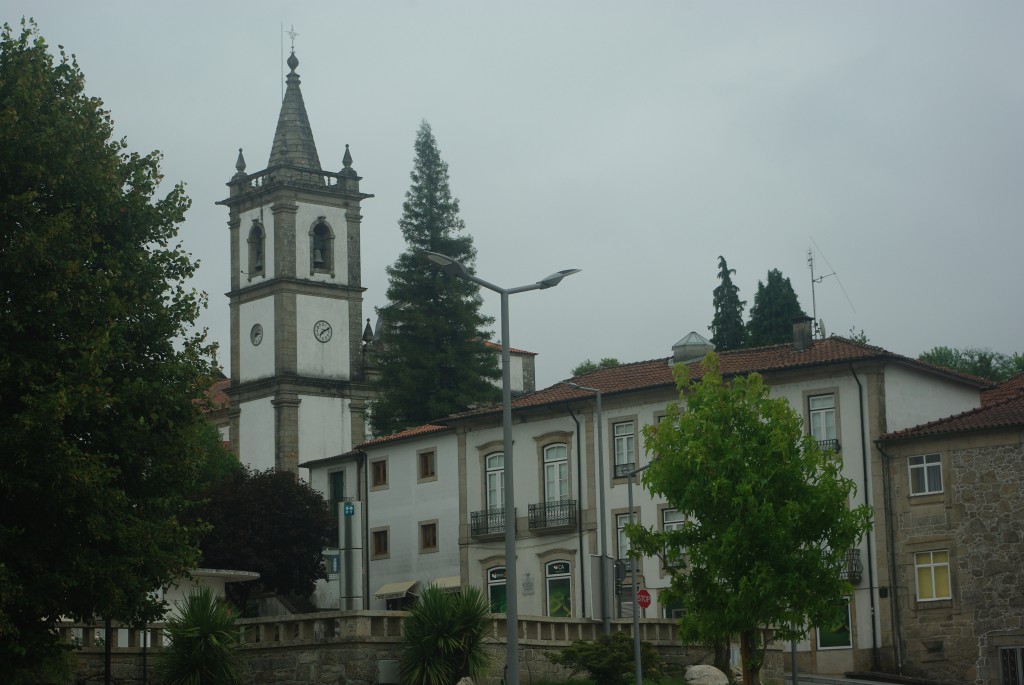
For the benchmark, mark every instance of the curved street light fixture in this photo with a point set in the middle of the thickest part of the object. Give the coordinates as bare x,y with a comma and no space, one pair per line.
454,267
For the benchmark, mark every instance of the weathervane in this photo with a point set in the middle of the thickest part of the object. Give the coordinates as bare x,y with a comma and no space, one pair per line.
291,34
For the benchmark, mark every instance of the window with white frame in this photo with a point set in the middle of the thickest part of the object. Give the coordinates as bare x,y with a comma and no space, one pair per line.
839,636
672,519
822,411
925,474
624,436
556,474
559,588
494,465
496,589
621,521
932,571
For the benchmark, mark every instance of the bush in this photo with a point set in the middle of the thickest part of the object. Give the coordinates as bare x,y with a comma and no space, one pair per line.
204,642
443,637
607,660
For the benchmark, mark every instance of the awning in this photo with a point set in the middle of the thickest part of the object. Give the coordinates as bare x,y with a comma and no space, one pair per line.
395,590
448,583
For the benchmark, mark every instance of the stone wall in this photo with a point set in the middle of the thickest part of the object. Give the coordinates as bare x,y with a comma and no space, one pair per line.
356,648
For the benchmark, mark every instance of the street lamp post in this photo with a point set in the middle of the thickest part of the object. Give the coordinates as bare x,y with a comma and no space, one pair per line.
453,267
606,588
638,667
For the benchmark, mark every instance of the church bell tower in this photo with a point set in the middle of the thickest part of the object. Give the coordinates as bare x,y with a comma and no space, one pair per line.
298,389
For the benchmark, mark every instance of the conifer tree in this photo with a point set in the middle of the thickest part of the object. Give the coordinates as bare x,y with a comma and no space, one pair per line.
431,354
771,316
727,332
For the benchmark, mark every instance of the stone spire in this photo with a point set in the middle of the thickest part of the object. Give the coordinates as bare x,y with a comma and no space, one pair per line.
293,141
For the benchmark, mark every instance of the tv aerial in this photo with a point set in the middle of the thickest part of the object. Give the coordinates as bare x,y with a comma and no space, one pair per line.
819,324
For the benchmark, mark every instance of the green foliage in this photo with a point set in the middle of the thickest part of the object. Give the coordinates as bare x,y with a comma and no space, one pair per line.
977,361
727,331
204,643
268,522
607,660
586,366
430,355
443,638
101,375
858,337
771,316
767,522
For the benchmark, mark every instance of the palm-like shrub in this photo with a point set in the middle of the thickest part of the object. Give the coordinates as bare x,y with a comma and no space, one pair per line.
204,643
443,637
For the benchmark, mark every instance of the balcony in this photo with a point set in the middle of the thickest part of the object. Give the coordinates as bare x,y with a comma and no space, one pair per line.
623,470
548,515
489,522
829,445
853,568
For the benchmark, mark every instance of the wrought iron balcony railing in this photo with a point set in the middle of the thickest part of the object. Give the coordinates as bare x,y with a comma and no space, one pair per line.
553,514
832,445
853,569
487,522
623,470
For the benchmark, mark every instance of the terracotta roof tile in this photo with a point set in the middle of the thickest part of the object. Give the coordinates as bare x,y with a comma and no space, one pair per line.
1009,413
217,394
415,432
512,350
658,373
1003,391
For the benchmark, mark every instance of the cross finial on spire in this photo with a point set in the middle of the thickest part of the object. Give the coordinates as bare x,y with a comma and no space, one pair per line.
291,34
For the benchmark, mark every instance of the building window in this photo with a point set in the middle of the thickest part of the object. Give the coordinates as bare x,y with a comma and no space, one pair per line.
496,589
379,474
428,536
556,474
257,247
321,248
1011,665
839,636
932,570
621,521
925,474
822,409
559,585
495,480
672,519
379,540
336,490
427,465
624,435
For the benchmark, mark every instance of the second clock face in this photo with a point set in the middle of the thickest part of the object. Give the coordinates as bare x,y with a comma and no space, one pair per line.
322,331
256,334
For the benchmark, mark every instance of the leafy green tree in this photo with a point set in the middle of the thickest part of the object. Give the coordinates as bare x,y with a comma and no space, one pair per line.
204,643
268,522
431,356
608,659
444,637
767,521
586,366
101,374
771,316
977,361
727,331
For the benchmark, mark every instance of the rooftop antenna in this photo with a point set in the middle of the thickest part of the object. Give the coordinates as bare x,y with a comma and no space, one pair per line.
818,323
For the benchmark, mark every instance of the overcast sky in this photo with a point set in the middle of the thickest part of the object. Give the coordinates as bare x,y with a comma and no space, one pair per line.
635,141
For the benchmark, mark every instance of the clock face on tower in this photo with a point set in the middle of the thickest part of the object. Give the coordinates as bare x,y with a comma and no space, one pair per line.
322,331
256,334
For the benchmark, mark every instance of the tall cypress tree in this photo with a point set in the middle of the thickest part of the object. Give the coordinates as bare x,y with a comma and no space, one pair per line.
727,332
771,316
431,356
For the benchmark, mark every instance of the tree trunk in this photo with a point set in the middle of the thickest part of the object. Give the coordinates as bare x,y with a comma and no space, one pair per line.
722,658
751,662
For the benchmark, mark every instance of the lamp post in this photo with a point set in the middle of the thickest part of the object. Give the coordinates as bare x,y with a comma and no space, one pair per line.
606,588
453,267
638,667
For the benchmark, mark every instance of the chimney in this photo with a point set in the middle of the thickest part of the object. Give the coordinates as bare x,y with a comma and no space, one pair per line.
802,333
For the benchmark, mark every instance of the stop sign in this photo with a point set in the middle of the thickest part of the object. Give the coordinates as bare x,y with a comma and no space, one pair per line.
643,598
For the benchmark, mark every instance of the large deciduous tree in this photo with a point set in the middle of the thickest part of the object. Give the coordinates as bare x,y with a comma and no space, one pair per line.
727,331
977,361
771,316
767,522
268,522
431,356
101,375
